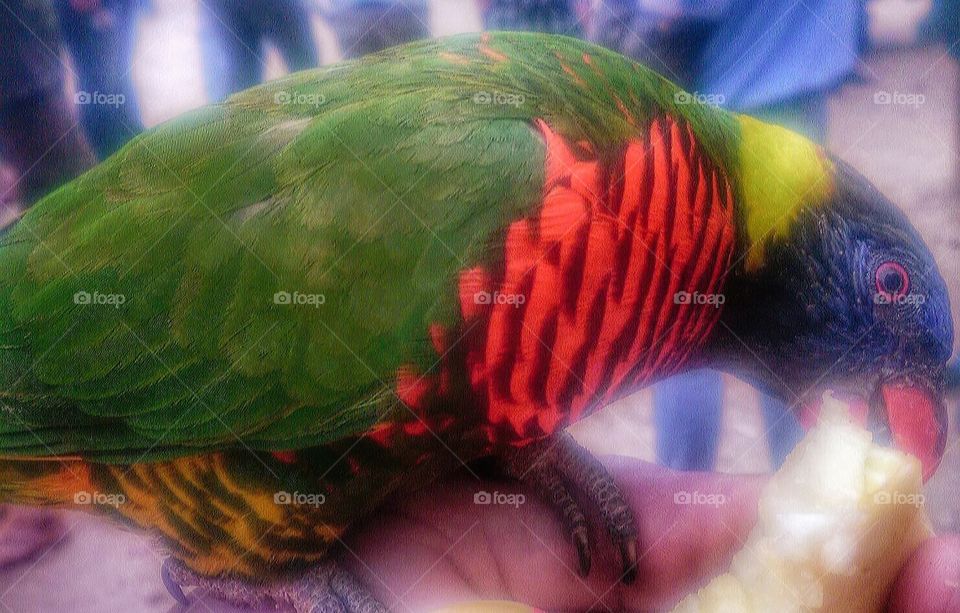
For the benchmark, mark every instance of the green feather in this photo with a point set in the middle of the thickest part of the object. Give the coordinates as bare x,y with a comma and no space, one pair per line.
370,183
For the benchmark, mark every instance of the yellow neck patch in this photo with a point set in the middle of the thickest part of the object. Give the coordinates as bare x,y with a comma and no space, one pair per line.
781,173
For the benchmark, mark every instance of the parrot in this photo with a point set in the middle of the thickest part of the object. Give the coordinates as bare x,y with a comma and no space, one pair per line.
253,324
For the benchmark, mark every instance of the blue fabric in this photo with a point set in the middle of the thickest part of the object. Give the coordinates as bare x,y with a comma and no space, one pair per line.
101,44
233,35
352,4
763,52
374,27
555,16
783,428
687,412
943,24
757,53
29,62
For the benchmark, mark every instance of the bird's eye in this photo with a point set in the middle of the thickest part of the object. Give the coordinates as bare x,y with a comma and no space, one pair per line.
893,281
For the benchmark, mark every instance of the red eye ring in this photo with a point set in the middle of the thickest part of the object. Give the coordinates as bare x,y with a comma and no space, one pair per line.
892,280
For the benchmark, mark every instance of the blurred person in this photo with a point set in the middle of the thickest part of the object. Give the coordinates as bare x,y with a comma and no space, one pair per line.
776,60
234,34
943,25
40,140
368,26
41,147
100,36
554,16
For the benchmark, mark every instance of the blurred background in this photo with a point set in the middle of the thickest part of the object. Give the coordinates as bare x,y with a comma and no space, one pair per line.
876,81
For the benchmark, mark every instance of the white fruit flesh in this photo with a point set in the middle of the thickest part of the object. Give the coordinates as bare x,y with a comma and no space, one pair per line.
835,525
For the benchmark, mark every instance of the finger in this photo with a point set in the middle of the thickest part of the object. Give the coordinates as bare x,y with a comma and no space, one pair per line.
690,526
439,546
930,581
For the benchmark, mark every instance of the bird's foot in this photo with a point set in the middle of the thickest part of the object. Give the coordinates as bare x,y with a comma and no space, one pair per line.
325,589
557,469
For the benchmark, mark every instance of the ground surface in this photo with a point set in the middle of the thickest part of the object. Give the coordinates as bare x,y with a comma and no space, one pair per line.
909,151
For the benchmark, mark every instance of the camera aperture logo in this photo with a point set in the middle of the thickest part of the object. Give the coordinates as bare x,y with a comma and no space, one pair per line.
299,499
499,499
99,98
499,99
96,298
99,499
684,497
698,299
500,298
299,299
285,97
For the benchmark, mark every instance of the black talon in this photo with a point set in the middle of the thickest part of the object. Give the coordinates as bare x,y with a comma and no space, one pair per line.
628,553
582,544
554,468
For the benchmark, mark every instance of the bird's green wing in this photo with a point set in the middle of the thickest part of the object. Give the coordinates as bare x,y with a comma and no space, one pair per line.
251,273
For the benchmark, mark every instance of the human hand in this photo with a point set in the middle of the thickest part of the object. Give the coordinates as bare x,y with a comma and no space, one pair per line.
438,547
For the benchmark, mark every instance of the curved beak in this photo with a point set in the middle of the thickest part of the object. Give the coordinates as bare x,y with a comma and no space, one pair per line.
911,414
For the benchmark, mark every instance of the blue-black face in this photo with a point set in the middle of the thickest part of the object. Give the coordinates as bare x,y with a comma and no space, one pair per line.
852,300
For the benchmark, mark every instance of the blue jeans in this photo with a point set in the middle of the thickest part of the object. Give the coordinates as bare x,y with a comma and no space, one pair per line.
687,413
373,27
101,44
687,410
233,34
556,16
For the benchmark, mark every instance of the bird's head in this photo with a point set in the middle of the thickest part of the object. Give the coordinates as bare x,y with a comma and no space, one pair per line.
836,289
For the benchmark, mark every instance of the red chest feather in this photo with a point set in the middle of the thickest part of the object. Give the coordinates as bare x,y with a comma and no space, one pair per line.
614,283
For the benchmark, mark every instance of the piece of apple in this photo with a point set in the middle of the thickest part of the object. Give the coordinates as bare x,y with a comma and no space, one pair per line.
835,525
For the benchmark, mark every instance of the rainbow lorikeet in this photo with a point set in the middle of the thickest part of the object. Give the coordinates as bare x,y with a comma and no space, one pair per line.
253,323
